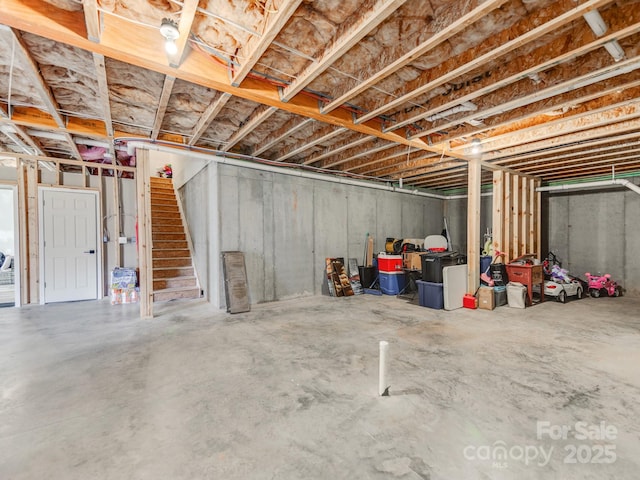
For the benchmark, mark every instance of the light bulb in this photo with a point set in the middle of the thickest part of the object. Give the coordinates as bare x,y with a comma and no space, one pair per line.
170,47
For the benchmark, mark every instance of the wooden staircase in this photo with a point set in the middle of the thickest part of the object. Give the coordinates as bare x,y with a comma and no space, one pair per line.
173,272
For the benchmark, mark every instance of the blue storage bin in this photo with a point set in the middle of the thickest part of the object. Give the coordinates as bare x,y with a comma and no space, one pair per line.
430,294
391,283
485,261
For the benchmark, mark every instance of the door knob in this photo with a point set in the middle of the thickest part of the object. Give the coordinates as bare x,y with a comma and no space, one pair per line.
91,252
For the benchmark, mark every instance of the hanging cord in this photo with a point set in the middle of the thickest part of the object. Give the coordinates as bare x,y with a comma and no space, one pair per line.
13,55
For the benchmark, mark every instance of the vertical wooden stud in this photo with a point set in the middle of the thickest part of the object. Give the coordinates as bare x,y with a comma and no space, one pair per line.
498,211
473,224
524,216
144,234
506,230
533,225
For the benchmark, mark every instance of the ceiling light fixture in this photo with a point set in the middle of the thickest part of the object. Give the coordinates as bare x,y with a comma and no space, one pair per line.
169,30
595,21
476,147
615,50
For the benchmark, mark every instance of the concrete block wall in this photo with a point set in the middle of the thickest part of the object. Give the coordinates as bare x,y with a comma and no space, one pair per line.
597,231
286,226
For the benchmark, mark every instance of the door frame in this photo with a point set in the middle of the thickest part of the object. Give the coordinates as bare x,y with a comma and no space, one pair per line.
96,193
16,241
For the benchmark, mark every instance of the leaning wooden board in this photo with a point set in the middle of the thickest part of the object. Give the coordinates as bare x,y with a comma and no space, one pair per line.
236,290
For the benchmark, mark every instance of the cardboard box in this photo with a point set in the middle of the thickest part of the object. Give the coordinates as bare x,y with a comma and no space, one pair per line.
485,298
412,261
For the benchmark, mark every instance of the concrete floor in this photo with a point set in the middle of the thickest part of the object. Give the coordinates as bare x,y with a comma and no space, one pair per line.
288,391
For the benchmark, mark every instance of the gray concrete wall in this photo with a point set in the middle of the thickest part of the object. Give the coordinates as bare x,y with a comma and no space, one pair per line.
456,213
287,225
597,232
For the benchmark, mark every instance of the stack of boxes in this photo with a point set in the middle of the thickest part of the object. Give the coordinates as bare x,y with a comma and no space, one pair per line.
391,274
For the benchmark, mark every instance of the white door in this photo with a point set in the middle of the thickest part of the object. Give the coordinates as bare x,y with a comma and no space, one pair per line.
70,248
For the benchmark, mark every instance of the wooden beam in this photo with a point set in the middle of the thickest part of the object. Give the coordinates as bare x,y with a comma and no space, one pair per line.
103,86
506,218
498,211
357,153
187,15
288,129
322,135
33,235
253,49
473,224
167,87
559,52
455,68
258,116
332,154
593,126
143,44
516,215
589,169
533,219
523,215
92,19
544,168
369,16
212,111
463,15
145,242
23,230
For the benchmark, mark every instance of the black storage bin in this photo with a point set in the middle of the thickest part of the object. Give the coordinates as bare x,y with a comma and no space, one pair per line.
433,263
367,276
499,274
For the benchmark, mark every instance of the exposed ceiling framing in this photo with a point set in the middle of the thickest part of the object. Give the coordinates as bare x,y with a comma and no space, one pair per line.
386,89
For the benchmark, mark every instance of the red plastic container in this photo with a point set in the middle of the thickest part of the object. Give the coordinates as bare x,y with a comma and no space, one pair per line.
389,263
469,301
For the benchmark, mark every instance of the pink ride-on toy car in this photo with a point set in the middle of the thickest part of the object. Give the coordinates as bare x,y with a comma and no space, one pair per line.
601,285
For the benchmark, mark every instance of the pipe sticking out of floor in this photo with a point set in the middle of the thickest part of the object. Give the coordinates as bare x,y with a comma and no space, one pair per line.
383,384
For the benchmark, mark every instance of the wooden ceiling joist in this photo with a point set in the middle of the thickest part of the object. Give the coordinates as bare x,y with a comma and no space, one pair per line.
563,49
212,111
255,47
588,162
626,111
595,171
167,87
370,15
487,51
330,154
462,16
289,128
20,135
323,135
355,154
92,19
187,16
260,114
101,74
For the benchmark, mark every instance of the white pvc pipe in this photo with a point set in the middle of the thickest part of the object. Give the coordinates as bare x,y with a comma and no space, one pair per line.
383,383
578,186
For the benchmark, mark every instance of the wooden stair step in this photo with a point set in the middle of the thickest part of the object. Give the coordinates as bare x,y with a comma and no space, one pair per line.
157,253
167,236
169,202
171,262
176,293
172,272
162,220
174,282
167,228
170,245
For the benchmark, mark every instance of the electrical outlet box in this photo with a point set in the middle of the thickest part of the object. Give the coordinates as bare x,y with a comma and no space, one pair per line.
122,240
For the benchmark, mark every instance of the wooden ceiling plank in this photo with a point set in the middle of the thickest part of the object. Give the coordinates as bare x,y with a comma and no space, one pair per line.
322,135
92,20
187,16
259,115
142,50
398,151
288,129
167,87
464,15
403,165
212,111
528,65
22,134
255,47
370,15
435,77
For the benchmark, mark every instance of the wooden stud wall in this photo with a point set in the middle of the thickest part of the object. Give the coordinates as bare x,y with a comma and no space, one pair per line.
28,179
516,215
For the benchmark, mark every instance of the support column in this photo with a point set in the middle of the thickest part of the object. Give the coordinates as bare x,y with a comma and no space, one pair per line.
145,243
473,224
33,235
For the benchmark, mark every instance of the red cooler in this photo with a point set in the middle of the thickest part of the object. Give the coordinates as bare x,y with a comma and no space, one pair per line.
389,263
